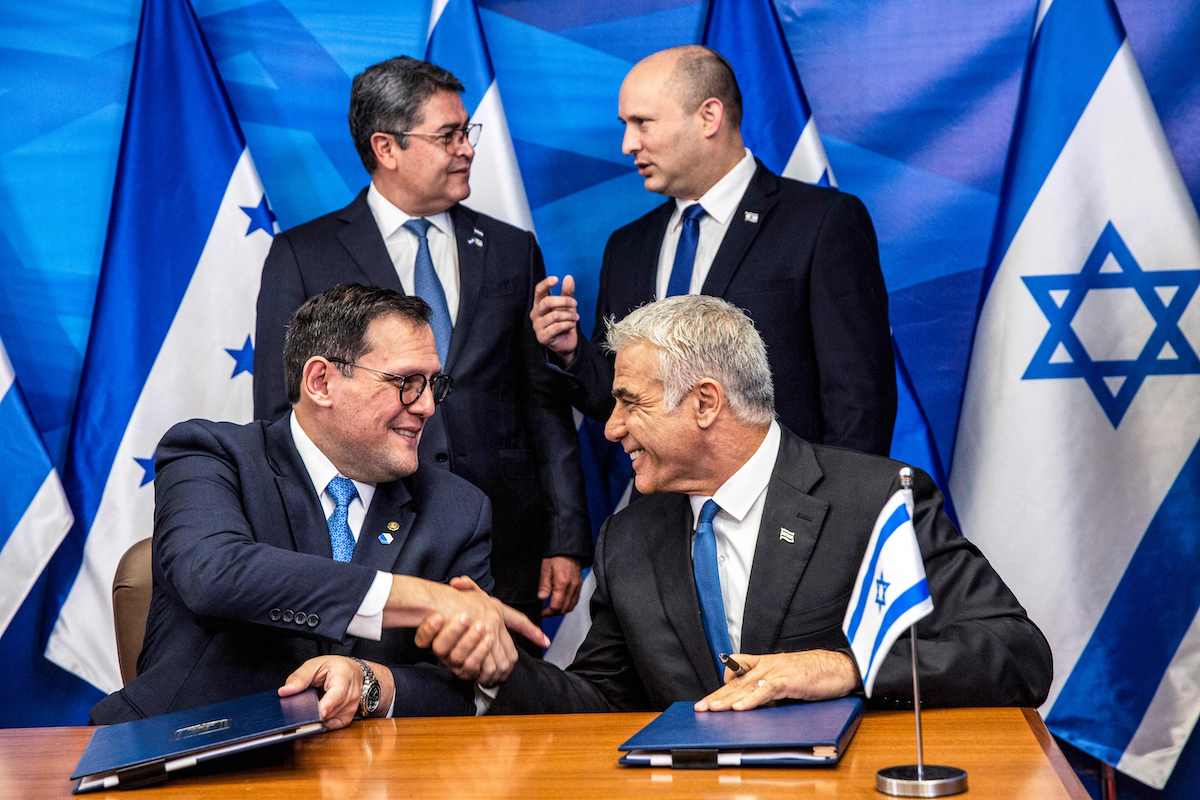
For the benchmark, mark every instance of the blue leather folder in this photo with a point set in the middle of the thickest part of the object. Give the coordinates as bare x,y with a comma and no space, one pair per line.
792,734
147,751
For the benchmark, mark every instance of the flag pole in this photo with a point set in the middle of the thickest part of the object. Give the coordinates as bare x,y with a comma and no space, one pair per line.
919,780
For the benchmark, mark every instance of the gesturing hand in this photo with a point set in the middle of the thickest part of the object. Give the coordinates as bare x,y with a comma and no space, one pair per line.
555,317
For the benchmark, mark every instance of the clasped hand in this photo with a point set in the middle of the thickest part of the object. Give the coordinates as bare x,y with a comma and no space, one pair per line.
807,675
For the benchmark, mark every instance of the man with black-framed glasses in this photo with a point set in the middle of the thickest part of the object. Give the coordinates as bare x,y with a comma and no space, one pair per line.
505,429
301,552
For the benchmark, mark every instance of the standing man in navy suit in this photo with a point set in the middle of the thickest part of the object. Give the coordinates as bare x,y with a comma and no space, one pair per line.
505,430
295,553
801,260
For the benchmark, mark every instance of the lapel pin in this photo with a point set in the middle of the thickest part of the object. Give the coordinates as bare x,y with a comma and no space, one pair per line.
386,538
478,232
751,217
393,526
475,240
787,536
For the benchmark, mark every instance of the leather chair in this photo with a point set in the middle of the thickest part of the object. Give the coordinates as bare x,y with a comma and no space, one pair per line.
131,606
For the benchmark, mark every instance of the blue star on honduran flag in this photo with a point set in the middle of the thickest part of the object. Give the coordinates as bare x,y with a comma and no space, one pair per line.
893,549
1078,449
177,285
243,358
1114,381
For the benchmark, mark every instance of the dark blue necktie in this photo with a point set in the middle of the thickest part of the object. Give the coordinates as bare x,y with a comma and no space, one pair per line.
708,585
340,539
427,287
685,253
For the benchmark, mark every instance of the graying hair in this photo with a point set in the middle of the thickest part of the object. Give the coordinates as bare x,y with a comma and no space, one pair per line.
697,337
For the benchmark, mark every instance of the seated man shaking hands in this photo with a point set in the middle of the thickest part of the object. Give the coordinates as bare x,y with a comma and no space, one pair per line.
748,541
295,553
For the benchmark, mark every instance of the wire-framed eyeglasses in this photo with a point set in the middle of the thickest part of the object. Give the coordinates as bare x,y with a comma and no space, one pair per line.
410,386
450,139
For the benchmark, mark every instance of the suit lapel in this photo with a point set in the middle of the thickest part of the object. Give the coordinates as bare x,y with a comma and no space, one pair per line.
789,513
760,197
472,244
645,268
672,559
310,534
390,513
360,236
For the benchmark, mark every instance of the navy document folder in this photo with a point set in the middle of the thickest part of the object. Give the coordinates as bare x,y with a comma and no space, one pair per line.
148,750
793,734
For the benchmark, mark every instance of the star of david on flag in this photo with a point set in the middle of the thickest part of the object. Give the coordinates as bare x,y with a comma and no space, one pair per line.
880,608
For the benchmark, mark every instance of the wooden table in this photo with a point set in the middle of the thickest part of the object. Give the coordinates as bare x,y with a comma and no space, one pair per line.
1006,752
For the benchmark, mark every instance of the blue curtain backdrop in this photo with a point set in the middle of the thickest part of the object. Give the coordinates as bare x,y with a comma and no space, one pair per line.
915,102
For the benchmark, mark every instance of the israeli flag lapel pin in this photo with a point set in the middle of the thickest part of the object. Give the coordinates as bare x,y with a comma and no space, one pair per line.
387,538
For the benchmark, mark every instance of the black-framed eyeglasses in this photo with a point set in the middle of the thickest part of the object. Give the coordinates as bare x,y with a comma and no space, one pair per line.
450,139
410,386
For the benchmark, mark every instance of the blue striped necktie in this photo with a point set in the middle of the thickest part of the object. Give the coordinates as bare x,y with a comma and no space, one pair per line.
341,541
685,253
427,287
708,586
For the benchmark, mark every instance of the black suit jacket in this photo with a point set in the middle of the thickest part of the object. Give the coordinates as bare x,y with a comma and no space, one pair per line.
504,428
646,647
806,269
245,585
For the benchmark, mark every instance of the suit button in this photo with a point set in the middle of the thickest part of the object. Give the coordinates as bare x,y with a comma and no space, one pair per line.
301,617
289,615
274,615
313,620
441,458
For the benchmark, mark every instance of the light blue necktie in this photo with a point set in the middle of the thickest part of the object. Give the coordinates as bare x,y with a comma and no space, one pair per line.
708,585
340,539
427,287
685,253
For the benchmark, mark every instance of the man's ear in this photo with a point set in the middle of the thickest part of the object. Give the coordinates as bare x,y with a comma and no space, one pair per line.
386,149
709,400
315,381
712,117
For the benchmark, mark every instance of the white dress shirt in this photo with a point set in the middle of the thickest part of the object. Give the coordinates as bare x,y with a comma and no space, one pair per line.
741,499
720,202
368,621
402,246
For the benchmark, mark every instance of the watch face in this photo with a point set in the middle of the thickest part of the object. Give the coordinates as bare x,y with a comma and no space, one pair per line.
372,697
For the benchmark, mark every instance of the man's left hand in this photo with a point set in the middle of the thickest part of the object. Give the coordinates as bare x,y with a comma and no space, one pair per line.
560,581
340,681
809,675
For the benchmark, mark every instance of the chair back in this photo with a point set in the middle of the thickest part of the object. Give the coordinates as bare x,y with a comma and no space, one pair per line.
131,606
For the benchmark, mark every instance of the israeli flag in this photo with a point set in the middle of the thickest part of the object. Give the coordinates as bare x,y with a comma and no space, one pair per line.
456,43
890,593
777,123
171,334
1077,461
34,514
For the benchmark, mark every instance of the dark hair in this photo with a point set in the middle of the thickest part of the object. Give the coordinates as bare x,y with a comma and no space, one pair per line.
388,96
334,324
702,73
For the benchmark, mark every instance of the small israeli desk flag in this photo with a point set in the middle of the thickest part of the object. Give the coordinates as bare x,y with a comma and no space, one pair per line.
890,594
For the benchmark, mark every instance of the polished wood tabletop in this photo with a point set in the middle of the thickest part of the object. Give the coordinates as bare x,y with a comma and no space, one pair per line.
1007,753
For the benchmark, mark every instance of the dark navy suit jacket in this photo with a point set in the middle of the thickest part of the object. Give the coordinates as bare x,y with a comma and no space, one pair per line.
505,428
646,647
245,585
803,262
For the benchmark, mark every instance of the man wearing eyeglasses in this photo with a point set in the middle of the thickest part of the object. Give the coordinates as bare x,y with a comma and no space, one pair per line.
301,552
505,430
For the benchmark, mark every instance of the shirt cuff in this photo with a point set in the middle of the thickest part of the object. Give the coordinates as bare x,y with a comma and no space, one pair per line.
368,620
484,697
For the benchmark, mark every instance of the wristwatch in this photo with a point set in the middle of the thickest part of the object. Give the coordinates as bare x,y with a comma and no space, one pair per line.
368,701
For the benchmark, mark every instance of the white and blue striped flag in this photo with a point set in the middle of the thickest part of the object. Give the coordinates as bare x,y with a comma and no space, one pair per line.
171,334
890,593
456,43
34,514
1077,461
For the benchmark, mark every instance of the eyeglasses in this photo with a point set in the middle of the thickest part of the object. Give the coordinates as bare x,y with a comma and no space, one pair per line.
450,139
410,386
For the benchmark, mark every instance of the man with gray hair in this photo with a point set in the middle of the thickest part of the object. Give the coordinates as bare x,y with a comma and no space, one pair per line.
504,430
748,541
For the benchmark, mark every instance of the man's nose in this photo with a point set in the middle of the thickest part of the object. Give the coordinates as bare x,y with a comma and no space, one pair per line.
614,428
630,142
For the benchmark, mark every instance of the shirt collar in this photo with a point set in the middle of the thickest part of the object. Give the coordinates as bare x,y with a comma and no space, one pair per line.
736,495
722,198
320,469
390,218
